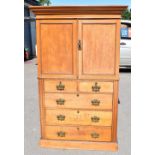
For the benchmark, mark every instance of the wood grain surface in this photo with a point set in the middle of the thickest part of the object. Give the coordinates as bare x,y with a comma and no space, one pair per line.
90,133
80,101
78,117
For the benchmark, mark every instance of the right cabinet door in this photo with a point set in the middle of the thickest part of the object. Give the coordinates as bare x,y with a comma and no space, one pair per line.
98,49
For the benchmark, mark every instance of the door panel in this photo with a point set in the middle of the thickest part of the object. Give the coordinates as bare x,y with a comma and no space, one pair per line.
98,53
58,40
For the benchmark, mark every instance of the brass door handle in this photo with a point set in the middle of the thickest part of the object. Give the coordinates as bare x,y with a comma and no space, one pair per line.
95,135
96,88
60,86
60,101
61,134
95,102
61,117
95,119
79,45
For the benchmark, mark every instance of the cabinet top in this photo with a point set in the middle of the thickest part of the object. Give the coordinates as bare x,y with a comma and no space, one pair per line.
78,10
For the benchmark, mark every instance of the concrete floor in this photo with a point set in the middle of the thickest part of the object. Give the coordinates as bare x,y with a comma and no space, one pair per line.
32,128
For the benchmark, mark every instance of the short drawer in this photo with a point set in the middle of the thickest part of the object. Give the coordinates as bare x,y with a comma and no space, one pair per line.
81,101
89,133
60,86
95,86
78,117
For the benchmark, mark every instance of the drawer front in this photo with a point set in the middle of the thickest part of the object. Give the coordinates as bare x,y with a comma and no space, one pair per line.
96,87
90,133
60,86
78,117
83,101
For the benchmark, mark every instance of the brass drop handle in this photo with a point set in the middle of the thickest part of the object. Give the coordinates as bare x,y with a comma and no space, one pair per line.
95,135
61,134
95,102
60,86
60,101
95,119
96,88
61,117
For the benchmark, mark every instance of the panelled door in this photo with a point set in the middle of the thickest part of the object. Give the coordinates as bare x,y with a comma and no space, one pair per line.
91,46
98,49
57,45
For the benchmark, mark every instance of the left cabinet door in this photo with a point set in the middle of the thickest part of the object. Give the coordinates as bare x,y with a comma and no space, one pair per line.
57,45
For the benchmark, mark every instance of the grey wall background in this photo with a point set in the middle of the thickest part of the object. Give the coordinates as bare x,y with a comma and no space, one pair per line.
33,34
30,27
27,31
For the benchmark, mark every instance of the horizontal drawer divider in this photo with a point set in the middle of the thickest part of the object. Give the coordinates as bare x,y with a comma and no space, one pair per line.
79,79
95,142
79,140
71,125
110,110
78,92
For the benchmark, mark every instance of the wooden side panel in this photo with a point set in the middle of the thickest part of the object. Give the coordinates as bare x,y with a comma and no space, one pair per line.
115,112
90,133
78,117
41,106
117,46
58,47
38,41
82,101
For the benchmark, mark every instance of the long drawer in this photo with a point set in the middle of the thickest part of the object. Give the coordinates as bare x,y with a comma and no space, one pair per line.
96,87
60,86
84,101
89,133
78,117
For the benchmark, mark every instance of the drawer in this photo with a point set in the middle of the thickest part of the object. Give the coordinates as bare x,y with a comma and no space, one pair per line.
95,87
78,117
60,86
89,133
83,101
